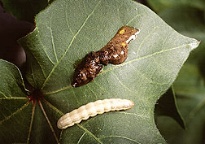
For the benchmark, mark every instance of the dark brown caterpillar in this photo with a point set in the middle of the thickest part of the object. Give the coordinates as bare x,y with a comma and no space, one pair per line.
114,52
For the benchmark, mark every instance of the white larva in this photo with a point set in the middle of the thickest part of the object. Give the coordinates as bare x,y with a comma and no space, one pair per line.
92,109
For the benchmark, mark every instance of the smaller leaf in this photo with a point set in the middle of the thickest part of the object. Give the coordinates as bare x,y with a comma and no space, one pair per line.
12,83
14,106
190,91
166,106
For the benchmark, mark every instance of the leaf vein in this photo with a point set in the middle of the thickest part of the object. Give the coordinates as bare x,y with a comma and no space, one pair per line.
43,47
14,113
58,90
31,124
123,137
145,40
14,98
71,42
138,15
142,58
53,44
67,23
81,138
2,93
91,134
49,123
122,83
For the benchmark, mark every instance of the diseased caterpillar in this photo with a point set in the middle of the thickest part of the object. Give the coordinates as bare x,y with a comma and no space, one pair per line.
92,109
114,52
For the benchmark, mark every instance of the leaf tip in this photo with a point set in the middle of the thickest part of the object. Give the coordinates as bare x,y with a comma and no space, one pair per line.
194,44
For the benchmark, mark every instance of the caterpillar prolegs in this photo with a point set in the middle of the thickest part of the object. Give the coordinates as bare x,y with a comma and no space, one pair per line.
114,52
92,109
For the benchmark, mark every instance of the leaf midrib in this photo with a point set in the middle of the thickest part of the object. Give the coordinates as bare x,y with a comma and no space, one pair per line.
121,65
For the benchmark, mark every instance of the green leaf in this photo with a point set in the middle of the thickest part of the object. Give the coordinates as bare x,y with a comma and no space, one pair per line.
14,105
166,106
189,88
65,32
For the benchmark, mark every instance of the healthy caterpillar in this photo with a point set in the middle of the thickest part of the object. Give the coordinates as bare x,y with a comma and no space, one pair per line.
114,52
92,109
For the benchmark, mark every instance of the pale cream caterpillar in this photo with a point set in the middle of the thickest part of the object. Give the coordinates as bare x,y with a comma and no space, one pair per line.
92,109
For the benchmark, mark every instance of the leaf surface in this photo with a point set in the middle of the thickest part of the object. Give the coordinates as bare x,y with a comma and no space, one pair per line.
65,32
15,108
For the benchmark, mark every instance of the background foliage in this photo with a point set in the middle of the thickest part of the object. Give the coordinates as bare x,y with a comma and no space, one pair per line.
188,18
